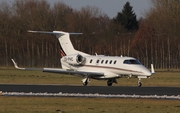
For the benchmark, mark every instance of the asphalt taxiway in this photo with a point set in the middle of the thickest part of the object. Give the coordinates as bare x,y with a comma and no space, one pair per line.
112,90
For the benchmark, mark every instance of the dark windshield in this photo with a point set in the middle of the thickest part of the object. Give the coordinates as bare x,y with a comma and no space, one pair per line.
131,61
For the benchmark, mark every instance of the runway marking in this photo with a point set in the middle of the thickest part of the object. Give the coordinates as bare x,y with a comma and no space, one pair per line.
60,94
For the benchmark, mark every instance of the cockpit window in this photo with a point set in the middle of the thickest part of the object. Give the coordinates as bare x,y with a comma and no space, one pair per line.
131,62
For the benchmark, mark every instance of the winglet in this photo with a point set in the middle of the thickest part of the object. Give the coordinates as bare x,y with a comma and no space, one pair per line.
15,65
152,69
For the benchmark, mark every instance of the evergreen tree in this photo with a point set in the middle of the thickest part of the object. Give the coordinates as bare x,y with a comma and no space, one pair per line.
127,18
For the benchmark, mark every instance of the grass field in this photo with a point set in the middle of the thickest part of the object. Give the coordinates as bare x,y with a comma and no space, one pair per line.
14,76
85,105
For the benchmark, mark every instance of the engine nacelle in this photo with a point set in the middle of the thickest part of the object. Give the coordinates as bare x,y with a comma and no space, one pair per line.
74,59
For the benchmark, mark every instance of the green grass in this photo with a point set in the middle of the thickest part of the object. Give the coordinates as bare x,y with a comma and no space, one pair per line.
14,76
86,105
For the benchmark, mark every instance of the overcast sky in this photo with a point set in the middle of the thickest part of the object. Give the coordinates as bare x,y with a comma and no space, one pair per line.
109,7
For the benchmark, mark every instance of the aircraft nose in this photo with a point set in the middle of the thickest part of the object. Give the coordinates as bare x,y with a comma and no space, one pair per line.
147,73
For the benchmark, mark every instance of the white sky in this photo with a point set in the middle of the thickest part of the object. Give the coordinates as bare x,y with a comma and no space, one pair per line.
109,7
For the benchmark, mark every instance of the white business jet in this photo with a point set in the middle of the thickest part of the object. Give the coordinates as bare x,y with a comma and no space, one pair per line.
88,66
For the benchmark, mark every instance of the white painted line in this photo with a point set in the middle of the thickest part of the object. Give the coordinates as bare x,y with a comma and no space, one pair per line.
60,94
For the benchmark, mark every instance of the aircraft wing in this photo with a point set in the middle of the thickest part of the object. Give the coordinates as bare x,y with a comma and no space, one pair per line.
62,71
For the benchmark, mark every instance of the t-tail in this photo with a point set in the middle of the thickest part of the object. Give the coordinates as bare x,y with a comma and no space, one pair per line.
65,42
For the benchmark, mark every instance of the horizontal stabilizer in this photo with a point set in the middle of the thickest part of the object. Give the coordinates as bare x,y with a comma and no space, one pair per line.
54,32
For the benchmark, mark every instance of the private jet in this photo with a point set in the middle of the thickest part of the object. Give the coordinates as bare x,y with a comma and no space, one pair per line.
99,67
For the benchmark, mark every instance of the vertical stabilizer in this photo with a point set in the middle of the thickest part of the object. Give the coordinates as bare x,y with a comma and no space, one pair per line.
64,40
65,43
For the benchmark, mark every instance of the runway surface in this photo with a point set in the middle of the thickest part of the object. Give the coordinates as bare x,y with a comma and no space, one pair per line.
113,90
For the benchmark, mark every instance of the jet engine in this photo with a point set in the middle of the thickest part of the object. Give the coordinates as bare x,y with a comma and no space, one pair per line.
74,59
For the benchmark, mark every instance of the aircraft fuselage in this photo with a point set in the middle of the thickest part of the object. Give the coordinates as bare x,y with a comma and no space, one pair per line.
115,67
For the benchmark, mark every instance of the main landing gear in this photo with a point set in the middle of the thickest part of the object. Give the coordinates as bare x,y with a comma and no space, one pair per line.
111,81
85,81
139,82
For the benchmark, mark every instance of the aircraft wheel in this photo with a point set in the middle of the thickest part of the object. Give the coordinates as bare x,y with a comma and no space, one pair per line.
85,83
109,83
139,84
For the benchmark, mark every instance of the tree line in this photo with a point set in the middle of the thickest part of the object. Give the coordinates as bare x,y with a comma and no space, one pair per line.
152,39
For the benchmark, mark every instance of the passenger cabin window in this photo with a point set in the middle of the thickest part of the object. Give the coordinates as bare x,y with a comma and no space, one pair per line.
115,62
106,61
91,61
97,61
131,62
102,61
110,62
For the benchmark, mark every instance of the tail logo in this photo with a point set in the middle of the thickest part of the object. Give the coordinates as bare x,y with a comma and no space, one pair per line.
62,53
